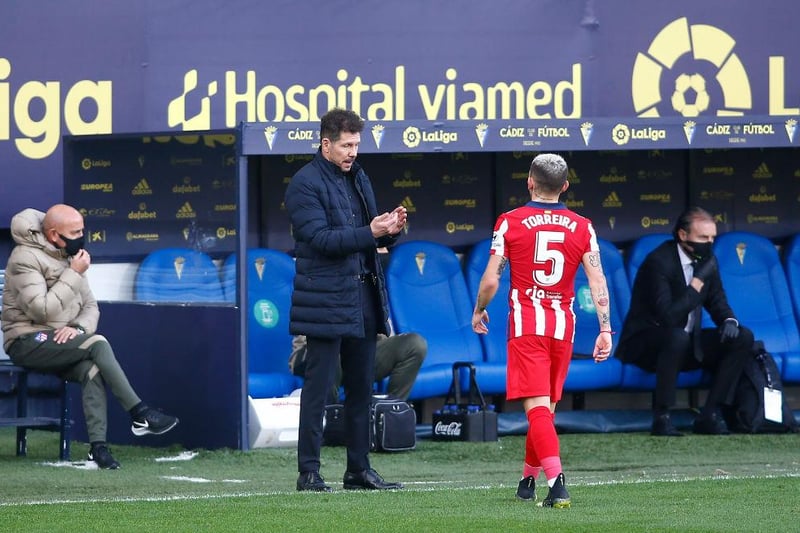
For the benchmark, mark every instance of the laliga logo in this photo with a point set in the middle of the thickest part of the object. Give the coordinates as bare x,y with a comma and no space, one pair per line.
621,134
703,45
412,136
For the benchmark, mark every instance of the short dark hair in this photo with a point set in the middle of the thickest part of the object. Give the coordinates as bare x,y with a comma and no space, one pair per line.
685,219
549,171
336,121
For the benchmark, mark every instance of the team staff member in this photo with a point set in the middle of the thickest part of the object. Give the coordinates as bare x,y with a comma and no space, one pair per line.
544,243
339,301
662,332
50,322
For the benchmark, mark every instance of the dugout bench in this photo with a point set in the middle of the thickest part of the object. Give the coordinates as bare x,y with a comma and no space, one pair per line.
16,386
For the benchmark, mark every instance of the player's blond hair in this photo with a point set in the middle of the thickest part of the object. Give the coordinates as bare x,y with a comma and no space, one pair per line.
549,172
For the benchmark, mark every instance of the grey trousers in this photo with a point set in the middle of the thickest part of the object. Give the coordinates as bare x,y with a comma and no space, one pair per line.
399,357
86,359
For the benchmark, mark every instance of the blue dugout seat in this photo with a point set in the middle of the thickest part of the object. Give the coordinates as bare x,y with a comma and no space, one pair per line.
638,250
757,290
428,295
791,264
491,375
178,275
634,377
270,278
584,374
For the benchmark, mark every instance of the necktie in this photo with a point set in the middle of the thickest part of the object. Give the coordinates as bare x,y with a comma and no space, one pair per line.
693,323
695,333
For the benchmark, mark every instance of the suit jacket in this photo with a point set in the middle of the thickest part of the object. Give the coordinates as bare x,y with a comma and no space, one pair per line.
661,297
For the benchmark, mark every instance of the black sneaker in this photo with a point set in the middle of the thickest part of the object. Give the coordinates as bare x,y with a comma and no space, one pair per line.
99,454
558,497
526,491
152,422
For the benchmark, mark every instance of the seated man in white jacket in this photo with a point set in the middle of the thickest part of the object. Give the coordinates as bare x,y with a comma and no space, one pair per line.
50,320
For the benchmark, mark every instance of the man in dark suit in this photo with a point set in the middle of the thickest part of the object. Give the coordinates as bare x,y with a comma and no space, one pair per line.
662,331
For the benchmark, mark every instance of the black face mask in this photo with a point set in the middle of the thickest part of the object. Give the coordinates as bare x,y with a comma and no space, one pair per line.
700,250
73,246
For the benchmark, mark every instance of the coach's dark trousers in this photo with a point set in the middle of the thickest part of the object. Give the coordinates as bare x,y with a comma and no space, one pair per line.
668,351
358,375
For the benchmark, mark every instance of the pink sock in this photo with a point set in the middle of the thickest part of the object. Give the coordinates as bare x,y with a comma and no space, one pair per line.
528,470
552,468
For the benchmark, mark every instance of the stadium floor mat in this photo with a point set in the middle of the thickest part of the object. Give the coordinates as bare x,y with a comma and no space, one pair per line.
589,421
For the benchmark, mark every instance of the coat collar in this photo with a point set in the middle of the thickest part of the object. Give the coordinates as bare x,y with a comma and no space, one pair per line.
333,170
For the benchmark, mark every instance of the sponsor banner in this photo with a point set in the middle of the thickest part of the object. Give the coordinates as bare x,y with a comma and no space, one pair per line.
550,135
748,190
625,194
448,196
504,88
139,193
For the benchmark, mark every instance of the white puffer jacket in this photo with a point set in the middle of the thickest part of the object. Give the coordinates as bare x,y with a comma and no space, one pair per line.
41,291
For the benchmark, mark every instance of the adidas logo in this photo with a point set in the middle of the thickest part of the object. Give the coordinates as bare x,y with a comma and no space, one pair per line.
409,205
612,200
142,188
572,177
186,211
762,172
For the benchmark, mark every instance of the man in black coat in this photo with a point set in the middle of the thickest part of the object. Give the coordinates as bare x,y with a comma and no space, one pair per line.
339,300
662,331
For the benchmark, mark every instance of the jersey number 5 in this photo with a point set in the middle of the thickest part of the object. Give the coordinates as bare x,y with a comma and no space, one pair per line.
547,259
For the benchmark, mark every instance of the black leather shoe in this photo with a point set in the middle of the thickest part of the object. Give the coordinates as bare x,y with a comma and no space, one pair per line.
710,425
312,481
662,427
368,479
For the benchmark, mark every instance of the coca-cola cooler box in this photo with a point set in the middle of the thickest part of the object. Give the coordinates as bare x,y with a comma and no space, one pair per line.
472,423
470,420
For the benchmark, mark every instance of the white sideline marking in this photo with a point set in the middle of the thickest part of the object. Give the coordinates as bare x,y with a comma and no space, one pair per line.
287,493
78,465
91,465
183,456
201,479
717,476
187,478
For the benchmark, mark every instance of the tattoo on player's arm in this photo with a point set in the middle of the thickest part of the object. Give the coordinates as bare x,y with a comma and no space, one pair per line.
594,261
501,266
602,297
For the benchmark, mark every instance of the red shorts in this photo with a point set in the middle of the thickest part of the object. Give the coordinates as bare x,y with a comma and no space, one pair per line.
537,366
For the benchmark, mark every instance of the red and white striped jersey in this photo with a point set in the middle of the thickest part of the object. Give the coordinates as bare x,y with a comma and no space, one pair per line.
544,245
